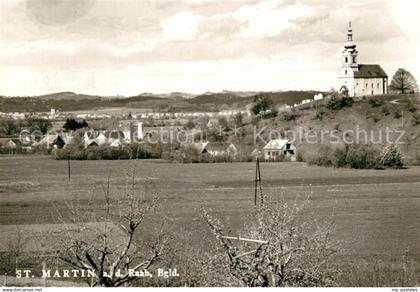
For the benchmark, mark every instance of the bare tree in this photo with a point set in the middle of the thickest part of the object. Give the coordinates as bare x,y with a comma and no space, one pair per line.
104,241
403,82
280,248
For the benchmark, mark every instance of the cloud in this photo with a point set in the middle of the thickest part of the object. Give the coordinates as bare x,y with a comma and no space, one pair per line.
57,12
269,18
183,26
194,45
39,47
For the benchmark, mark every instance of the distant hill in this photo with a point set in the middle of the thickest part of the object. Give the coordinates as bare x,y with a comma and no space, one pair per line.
172,102
218,98
68,95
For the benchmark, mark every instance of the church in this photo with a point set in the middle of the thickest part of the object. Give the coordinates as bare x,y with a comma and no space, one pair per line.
360,79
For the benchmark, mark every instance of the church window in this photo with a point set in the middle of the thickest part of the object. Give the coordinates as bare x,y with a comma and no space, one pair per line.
354,59
377,85
345,72
366,85
347,59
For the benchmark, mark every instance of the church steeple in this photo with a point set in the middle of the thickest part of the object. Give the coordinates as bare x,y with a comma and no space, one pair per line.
350,53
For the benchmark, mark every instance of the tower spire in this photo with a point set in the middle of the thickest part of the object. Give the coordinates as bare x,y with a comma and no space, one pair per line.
350,33
350,51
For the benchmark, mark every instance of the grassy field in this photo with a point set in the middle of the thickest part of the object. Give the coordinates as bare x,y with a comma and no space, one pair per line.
377,212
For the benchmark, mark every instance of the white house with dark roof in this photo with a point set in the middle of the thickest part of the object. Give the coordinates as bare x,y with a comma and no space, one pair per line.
220,149
360,79
277,149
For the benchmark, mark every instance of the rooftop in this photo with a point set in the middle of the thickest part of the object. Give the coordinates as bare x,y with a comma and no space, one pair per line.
276,144
370,71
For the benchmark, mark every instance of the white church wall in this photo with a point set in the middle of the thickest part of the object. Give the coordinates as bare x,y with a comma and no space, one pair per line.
369,86
349,83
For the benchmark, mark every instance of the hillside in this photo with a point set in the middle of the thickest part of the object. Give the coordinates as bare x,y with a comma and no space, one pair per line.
174,102
67,96
368,120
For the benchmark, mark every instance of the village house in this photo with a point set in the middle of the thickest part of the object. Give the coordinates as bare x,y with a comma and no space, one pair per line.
93,138
58,142
213,123
360,79
220,149
10,144
46,141
278,149
115,143
116,138
101,139
196,147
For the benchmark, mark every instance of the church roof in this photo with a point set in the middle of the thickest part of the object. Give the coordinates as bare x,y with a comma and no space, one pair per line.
370,71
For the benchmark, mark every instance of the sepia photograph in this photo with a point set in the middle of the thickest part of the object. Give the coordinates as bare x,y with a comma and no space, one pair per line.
209,143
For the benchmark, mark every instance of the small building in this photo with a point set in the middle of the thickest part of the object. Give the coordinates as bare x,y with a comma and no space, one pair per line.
213,123
220,149
13,143
278,149
92,143
115,143
58,142
46,141
101,139
196,147
10,143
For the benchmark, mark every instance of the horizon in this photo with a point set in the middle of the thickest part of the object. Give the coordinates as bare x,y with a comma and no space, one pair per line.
128,48
160,94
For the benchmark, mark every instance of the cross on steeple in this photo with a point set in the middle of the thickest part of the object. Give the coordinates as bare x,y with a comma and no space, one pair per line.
350,33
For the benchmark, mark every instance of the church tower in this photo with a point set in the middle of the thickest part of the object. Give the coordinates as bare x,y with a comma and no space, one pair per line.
350,52
349,64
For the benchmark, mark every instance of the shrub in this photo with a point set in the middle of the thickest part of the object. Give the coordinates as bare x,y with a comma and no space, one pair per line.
131,151
361,157
397,115
288,116
190,124
416,120
319,114
72,124
390,157
411,108
338,103
385,111
375,102
358,156
261,104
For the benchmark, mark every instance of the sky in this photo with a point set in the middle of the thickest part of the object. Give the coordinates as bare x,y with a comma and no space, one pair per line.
128,47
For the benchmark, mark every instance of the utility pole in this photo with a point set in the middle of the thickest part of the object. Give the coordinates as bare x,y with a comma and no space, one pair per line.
68,163
258,184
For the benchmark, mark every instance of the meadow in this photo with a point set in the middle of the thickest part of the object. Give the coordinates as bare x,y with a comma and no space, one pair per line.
377,212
